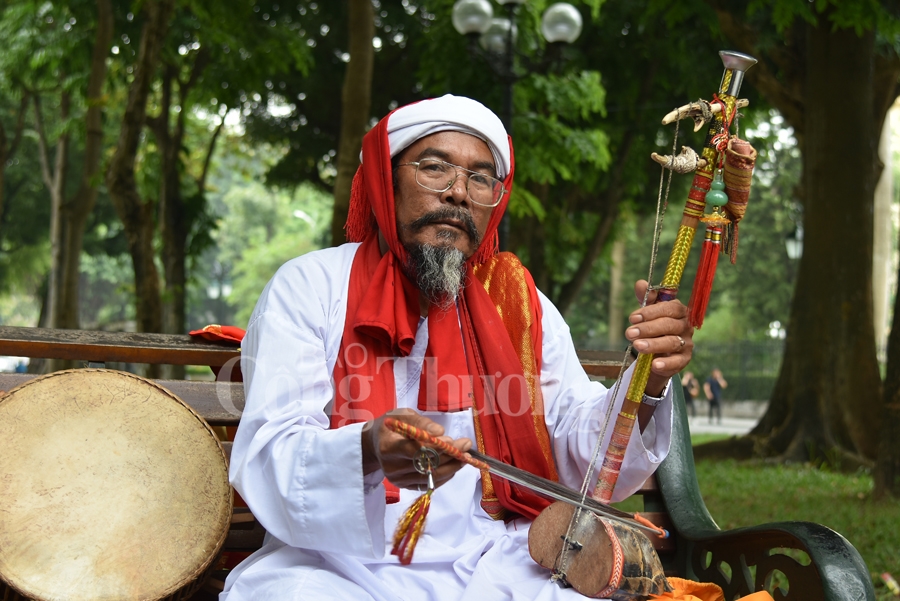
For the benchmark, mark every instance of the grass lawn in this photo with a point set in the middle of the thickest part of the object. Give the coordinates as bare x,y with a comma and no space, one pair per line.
744,494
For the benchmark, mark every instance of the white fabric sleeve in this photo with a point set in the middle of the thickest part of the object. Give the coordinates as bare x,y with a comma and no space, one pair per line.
575,411
303,481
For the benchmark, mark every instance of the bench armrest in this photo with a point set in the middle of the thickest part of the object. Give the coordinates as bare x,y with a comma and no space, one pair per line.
744,560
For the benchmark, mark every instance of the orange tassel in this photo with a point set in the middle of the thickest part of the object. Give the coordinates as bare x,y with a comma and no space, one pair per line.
706,271
410,528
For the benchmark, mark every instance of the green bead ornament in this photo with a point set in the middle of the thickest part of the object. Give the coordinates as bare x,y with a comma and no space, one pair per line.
716,195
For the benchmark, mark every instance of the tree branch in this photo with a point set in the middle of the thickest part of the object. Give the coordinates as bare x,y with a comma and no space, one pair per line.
62,148
43,150
201,181
20,127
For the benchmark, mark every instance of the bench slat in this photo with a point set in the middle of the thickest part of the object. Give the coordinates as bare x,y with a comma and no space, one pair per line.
219,403
177,349
125,347
602,364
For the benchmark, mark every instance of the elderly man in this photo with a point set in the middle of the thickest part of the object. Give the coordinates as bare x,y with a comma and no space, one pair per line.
420,317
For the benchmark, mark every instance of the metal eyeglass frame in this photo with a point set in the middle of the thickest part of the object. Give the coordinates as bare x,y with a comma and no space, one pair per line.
416,164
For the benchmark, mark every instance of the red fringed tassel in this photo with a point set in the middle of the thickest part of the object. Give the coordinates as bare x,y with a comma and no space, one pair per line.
706,271
410,529
360,218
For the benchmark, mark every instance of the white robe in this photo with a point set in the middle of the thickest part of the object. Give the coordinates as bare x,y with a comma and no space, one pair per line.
329,527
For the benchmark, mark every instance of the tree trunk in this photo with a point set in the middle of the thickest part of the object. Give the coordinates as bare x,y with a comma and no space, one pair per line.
172,227
829,386
68,217
615,336
609,206
7,149
356,100
54,176
78,208
136,214
174,220
887,467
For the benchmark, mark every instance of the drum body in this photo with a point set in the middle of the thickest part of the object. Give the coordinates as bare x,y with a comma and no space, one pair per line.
110,488
604,559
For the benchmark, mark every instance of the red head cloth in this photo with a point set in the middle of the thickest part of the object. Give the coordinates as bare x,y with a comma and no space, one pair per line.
465,341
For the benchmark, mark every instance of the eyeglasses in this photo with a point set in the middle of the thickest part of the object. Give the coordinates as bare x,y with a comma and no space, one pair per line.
439,176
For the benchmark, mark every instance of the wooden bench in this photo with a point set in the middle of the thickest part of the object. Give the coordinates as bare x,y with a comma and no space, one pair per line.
809,561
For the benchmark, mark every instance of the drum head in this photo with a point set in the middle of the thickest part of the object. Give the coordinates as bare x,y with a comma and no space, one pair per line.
110,488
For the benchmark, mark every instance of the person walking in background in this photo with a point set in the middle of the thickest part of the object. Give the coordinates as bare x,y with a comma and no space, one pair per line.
713,388
691,388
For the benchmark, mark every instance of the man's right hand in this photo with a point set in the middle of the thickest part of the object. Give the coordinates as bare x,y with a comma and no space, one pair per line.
393,454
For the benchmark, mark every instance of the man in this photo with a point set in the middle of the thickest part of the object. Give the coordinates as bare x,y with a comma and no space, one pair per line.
690,388
425,321
713,389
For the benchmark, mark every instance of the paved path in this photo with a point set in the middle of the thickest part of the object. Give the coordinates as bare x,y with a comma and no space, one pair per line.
729,425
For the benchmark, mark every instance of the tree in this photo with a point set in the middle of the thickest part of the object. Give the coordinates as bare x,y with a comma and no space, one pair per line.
135,212
311,131
356,101
201,72
824,71
9,147
50,62
69,215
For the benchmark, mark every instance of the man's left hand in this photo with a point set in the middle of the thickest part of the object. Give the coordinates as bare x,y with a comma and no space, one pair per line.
661,329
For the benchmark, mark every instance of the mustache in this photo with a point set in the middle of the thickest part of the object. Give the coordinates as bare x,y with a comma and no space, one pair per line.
445,213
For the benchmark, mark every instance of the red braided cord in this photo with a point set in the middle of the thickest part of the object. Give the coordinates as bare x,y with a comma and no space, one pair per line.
417,434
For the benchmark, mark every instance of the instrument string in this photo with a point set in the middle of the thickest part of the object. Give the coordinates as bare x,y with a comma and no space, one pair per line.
662,201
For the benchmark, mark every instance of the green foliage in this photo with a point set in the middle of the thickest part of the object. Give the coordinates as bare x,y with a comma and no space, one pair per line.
860,15
107,296
553,143
257,230
270,228
43,45
310,123
46,48
522,203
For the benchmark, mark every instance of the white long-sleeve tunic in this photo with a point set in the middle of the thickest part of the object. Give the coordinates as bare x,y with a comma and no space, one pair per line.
329,527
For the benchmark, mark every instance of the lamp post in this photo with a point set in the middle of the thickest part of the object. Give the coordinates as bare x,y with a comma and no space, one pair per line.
494,39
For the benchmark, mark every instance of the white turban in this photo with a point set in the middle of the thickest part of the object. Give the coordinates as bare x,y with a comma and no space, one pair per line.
449,113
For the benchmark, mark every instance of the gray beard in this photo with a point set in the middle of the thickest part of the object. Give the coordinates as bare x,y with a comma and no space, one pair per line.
438,271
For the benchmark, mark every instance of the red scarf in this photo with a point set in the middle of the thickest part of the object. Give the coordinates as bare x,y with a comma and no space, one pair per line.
381,323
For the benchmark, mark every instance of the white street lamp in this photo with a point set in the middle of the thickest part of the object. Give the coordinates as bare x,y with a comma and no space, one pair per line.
561,23
472,16
495,38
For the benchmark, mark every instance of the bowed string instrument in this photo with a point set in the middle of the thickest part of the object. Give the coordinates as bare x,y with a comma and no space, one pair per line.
597,549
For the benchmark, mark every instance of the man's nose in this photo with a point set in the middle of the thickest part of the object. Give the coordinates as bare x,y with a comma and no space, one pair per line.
458,191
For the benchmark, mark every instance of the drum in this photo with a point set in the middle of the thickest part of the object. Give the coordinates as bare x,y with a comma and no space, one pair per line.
110,488
604,559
